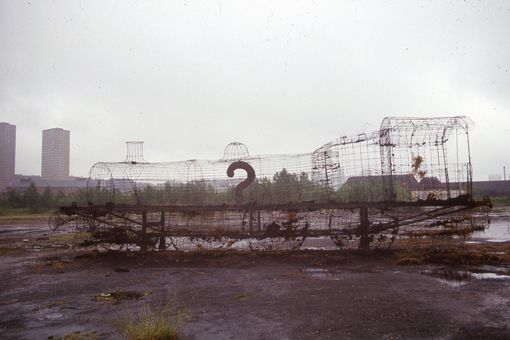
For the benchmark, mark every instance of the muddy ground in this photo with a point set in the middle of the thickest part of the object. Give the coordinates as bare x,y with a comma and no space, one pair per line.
48,291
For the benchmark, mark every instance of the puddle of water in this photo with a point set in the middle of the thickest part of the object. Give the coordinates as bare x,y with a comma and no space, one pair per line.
498,230
320,273
489,276
53,316
450,278
459,278
317,243
241,245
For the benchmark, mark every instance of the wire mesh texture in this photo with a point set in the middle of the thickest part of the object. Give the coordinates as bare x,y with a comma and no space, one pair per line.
413,174
407,159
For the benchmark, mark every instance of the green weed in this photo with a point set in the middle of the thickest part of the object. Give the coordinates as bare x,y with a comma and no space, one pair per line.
163,323
79,336
242,297
120,294
9,251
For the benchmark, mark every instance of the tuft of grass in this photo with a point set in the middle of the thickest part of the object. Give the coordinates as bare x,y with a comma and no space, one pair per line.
79,336
49,264
242,297
408,261
162,323
120,294
460,256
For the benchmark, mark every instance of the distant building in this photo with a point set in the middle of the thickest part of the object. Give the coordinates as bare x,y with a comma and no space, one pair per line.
426,188
7,154
491,188
70,186
405,180
494,177
55,154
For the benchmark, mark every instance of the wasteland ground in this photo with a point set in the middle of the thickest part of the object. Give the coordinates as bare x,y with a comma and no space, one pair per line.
428,291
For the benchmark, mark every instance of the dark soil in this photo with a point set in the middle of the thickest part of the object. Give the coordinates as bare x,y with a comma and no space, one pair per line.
246,295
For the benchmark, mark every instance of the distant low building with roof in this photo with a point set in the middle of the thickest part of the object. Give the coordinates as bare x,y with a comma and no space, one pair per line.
407,180
492,188
431,188
425,189
70,186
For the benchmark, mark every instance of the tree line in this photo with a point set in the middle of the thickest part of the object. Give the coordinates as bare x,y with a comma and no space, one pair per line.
282,188
31,201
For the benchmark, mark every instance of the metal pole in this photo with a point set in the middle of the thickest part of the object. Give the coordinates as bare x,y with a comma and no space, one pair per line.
259,220
364,228
143,245
162,240
251,221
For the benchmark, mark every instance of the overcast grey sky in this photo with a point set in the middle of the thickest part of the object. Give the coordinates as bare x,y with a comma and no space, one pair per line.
189,77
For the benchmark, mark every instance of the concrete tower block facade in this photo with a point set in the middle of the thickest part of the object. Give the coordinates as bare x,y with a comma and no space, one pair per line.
55,154
7,154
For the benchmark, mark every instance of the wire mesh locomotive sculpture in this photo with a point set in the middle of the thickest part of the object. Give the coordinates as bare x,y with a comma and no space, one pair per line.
413,177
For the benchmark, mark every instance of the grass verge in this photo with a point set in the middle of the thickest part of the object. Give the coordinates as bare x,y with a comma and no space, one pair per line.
9,251
460,254
162,323
24,219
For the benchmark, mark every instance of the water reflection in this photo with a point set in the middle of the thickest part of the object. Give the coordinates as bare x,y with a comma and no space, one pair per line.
320,273
498,230
458,278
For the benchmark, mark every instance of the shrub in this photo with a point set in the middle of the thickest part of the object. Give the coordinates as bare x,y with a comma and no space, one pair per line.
163,323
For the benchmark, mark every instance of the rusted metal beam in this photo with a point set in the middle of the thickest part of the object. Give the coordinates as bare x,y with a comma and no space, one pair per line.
112,208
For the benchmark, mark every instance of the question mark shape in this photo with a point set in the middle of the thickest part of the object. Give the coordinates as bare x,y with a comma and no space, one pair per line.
249,180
